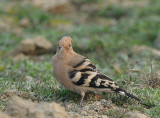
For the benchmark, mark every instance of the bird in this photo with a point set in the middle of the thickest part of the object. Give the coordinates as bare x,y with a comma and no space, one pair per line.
78,74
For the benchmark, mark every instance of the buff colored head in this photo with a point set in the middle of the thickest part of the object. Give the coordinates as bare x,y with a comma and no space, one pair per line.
65,45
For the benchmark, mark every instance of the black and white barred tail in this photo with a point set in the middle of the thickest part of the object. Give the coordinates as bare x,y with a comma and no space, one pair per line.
123,92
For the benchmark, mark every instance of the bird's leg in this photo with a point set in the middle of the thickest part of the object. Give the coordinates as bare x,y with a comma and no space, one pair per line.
82,97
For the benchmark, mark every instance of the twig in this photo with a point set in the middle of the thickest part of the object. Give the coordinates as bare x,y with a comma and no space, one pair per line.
152,74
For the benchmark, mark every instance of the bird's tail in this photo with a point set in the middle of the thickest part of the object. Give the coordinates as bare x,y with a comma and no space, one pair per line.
123,92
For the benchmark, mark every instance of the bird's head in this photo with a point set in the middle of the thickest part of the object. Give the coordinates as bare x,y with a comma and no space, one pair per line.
65,45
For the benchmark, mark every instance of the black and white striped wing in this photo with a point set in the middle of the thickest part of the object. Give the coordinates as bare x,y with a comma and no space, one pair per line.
86,74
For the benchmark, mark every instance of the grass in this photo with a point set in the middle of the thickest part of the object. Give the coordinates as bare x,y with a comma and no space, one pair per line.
106,46
113,11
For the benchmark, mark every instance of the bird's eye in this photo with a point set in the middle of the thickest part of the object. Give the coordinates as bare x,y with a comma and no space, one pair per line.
69,45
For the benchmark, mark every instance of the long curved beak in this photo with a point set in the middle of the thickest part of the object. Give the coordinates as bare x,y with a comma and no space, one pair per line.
60,50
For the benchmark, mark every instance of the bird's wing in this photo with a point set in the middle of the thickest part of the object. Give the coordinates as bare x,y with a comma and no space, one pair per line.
86,74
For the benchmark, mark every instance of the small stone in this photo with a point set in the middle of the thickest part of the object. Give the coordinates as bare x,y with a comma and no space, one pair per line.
104,116
28,78
55,6
6,24
34,46
103,100
18,31
86,108
135,114
3,115
20,108
92,112
158,75
25,22
69,106
28,82
97,103
84,113
108,104
20,57
74,115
